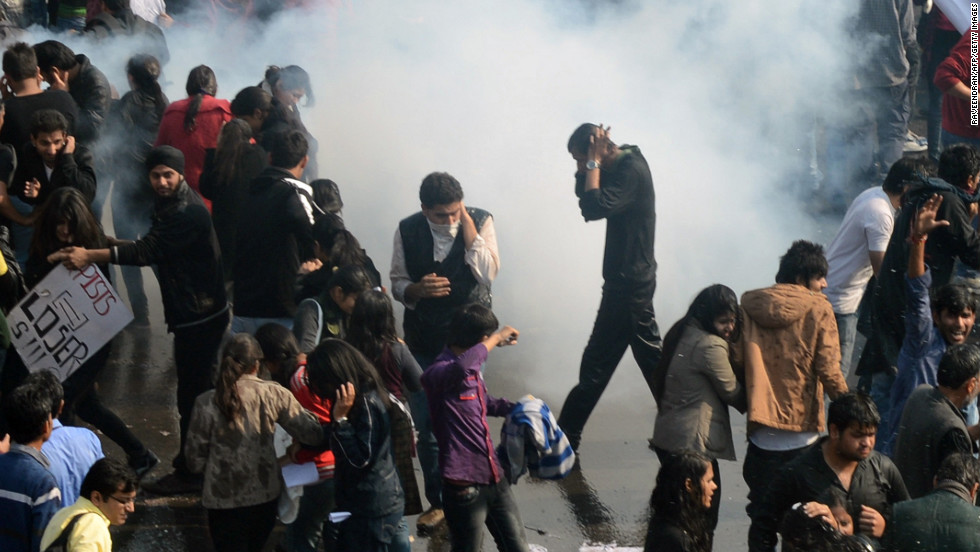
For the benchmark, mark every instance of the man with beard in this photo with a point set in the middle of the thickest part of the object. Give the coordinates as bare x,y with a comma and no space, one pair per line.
845,459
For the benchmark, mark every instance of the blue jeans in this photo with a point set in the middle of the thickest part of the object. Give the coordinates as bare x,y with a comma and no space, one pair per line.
427,447
471,507
381,534
312,523
950,139
847,331
880,390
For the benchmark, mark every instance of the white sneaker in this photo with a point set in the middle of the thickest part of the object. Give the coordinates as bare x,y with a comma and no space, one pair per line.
915,143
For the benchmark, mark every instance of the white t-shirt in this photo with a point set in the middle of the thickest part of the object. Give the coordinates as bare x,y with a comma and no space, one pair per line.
149,10
867,227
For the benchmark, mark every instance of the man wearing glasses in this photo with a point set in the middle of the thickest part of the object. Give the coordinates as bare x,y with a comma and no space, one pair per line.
108,496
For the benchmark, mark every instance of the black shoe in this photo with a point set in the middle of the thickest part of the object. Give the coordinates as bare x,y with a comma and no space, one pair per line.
144,463
174,484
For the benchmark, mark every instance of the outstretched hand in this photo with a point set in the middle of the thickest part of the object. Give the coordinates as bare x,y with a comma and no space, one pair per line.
925,217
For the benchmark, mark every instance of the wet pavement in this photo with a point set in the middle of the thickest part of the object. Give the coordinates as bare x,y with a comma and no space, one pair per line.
603,503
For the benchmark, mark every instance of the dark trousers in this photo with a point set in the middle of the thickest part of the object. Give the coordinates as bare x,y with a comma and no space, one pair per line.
625,319
758,470
242,529
82,400
469,508
195,354
663,455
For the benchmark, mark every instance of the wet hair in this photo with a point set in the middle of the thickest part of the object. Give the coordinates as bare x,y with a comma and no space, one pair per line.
801,533
324,230
350,279
326,194
335,362
471,324
53,54
711,302
65,205
238,358
229,155
20,61
853,408
288,149
960,467
145,71
671,500
200,82
959,364
804,261
834,497
45,121
50,386
279,346
907,171
959,163
27,411
108,476
249,99
290,77
115,5
954,298
440,188
372,325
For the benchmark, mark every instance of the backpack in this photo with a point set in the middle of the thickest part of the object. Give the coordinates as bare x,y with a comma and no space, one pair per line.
60,544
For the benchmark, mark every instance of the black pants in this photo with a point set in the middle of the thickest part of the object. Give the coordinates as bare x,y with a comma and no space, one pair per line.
625,319
758,470
82,400
195,354
242,529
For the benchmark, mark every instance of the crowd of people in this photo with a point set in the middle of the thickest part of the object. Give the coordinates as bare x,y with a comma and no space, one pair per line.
283,328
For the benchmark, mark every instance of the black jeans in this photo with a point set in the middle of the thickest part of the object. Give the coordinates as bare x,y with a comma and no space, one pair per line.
196,355
625,319
468,508
82,400
242,529
758,470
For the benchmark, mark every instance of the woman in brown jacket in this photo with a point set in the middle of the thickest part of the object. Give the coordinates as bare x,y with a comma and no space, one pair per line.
695,383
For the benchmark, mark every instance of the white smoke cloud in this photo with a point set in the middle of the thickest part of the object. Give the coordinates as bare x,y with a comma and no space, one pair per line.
718,95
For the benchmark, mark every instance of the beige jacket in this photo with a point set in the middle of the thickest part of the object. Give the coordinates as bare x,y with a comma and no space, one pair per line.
792,357
700,386
239,461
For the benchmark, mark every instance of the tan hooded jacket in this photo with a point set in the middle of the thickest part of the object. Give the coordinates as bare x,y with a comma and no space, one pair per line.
792,356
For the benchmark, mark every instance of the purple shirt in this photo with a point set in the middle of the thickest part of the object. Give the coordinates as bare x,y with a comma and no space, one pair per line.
459,405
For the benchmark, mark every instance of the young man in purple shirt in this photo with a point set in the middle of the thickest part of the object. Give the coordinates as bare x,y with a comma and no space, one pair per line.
474,490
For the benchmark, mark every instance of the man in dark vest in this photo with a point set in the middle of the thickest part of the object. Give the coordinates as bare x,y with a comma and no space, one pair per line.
444,256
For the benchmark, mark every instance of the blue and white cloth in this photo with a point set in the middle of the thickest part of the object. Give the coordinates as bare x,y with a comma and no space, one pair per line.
531,442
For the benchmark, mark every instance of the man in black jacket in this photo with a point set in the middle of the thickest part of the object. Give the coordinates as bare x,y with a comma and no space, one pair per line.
614,183
274,237
75,74
182,244
845,459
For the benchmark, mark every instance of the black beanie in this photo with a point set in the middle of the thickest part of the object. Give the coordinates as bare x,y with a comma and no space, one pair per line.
165,155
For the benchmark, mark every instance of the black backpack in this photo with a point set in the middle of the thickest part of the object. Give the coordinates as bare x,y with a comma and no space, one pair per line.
60,544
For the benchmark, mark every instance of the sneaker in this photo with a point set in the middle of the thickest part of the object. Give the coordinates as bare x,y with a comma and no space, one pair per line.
429,521
143,464
174,484
915,143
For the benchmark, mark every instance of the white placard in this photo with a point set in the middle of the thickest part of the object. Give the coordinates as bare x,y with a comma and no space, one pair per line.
65,319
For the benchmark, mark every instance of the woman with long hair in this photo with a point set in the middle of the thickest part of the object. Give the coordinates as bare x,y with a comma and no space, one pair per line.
694,384
192,124
228,170
67,220
131,127
679,505
230,439
360,437
327,314
288,86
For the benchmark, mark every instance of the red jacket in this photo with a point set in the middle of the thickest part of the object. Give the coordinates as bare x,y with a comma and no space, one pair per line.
212,115
956,68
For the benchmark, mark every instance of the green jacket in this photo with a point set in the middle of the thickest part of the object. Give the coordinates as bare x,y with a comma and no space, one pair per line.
943,520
